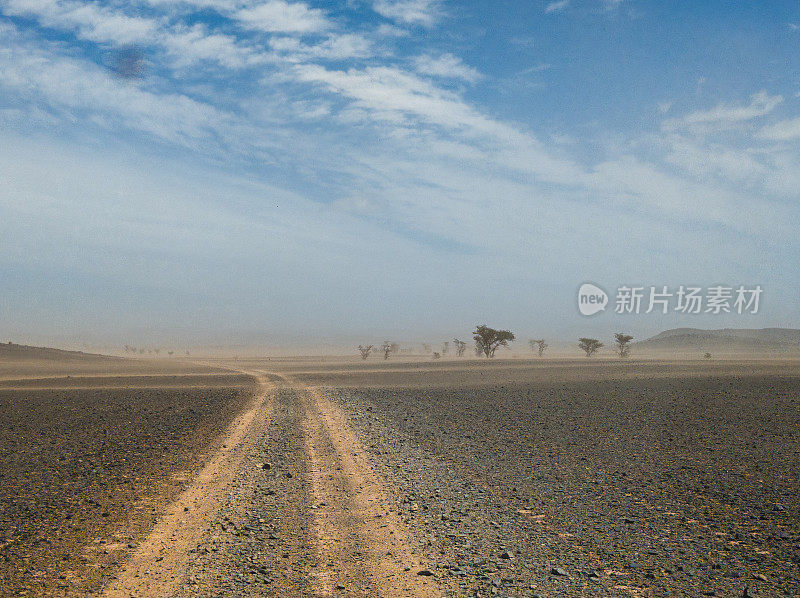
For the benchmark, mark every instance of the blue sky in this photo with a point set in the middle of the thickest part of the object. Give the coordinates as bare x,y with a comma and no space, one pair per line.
330,171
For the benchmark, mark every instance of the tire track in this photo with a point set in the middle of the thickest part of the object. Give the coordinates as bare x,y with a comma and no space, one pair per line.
159,565
364,548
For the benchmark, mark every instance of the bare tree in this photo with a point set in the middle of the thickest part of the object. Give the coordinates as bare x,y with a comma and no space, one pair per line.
365,350
622,344
389,348
589,345
445,347
488,339
538,345
461,346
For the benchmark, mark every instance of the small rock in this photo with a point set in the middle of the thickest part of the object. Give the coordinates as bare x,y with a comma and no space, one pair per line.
425,572
747,593
559,571
507,554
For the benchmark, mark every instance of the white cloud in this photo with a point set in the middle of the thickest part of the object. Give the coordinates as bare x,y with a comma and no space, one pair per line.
537,68
557,6
91,21
784,130
186,45
447,66
334,47
189,45
406,104
279,16
761,104
68,84
387,30
727,163
412,12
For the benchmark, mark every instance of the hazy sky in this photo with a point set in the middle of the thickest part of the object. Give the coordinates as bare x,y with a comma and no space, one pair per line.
390,168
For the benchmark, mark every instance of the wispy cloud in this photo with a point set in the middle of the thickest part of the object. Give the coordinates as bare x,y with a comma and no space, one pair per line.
333,47
90,21
784,130
80,89
412,12
761,104
183,44
284,17
556,6
446,66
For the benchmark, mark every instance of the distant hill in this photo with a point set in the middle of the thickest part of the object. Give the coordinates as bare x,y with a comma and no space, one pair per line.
14,352
726,340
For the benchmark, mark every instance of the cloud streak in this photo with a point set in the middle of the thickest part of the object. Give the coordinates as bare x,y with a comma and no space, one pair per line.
446,66
409,12
279,16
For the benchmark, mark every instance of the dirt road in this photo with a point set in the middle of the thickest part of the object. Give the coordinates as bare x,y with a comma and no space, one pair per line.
289,506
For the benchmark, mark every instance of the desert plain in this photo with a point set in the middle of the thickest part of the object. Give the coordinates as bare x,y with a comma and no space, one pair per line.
342,477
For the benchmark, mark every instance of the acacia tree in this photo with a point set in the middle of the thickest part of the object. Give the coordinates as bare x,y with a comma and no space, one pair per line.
365,350
590,345
488,339
538,345
461,346
623,344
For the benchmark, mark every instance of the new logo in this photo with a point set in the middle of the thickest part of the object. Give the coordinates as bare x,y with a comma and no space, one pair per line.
591,299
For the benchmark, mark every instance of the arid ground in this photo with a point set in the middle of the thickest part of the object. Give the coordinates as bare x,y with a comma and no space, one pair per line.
337,477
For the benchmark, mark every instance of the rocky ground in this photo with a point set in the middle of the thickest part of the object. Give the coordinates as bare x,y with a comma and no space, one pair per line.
662,487
481,479
84,473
